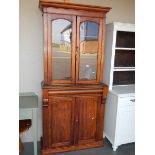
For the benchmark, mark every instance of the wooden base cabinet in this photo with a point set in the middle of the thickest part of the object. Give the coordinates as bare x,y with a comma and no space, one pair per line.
72,120
73,93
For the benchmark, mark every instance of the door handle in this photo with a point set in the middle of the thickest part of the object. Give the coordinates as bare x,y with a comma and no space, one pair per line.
45,105
132,100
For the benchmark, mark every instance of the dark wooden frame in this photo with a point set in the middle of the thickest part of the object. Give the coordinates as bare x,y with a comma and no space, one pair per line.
73,91
57,10
72,19
99,21
48,4
75,45
74,88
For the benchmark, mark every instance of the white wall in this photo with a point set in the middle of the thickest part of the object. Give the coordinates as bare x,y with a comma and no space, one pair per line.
30,53
122,10
31,42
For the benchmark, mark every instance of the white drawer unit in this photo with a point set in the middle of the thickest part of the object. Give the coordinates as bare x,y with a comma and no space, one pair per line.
119,125
126,101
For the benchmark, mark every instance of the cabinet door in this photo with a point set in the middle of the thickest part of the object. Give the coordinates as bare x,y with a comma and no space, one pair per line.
125,130
89,51
61,121
61,31
87,118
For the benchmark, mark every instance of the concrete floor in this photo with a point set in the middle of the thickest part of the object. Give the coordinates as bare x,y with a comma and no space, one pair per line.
127,149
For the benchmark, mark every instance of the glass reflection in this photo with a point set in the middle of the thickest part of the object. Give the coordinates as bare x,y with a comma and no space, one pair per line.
61,49
88,50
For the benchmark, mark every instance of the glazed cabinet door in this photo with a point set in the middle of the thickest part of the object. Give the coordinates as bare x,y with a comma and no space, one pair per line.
61,120
89,50
87,118
61,35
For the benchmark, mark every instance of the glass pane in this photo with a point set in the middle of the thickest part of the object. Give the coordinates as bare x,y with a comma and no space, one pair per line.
61,49
88,50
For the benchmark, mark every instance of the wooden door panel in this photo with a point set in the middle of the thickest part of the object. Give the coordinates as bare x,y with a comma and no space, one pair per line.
61,121
87,118
89,50
61,36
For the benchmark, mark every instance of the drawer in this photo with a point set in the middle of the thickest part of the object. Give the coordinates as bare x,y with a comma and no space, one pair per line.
25,114
126,101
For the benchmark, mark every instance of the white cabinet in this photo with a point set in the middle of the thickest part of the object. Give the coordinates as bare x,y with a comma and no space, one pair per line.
119,75
119,63
120,116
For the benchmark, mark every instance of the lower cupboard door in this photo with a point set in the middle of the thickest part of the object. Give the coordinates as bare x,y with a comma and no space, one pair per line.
61,121
125,131
87,118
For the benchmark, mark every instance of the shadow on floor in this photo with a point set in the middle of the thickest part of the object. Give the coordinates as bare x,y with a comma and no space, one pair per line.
127,149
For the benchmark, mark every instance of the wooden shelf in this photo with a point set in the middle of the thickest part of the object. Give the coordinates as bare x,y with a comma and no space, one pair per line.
124,68
124,48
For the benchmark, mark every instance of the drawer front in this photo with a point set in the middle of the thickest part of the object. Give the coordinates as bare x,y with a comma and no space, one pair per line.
25,114
127,101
